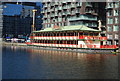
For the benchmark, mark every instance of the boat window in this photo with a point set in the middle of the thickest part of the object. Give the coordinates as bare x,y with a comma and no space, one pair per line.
86,34
91,34
95,34
80,33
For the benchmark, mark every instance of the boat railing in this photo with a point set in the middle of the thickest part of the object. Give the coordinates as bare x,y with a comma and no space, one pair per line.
93,37
108,46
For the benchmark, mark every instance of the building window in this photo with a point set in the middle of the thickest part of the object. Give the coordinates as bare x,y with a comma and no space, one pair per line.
116,42
109,42
110,21
109,36
116,20
116,36
116,4
109,13
109,28
115,12
115,28
110,5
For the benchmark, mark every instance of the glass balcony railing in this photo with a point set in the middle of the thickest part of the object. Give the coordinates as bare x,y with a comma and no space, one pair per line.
88,11
82,18
68,12
52,15
48,10
79,4
64,2
56,9
73,12
45,5
108,7
52,4
60,14
60,8
45,11
45,16
88,4
52,9
56,3
59,20
42,11
56,14
69,6
103,32
73,5
64,7
63,14
77,11
60,3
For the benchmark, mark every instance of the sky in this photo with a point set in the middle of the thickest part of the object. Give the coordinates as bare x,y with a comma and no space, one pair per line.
13,9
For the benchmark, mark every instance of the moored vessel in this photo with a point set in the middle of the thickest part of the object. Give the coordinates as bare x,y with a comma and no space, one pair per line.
77,37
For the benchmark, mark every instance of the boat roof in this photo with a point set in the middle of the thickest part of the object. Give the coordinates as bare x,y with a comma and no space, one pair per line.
68,28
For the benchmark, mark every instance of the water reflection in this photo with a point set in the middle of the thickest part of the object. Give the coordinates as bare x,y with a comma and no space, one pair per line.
47,64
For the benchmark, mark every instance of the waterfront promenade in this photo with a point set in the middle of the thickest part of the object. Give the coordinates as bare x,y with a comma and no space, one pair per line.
24,45
14,44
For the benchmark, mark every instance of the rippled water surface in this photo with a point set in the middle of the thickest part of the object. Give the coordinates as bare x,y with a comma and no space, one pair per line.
28,63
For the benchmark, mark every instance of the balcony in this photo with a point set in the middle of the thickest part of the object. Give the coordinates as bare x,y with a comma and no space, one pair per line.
60,3
109,7
64,2
77,11
56,14
45,5
48,5
116,37
68,12
45,16
63,13
52,9
52,15
56,3
60,14
48,16
88,4
73,6
60,8
73,12
83,18
59,20
48,10
56,9
79,4
64,7
88,11
43,11
109,37
103,32
68,6
52,4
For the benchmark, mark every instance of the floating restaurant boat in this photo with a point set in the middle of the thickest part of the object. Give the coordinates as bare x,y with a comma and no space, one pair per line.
77,37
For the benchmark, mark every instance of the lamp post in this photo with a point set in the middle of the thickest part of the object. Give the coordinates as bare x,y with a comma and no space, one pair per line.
33,25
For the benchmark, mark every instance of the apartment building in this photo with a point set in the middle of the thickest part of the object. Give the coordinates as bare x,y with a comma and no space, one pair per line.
112,24
1,20
72,13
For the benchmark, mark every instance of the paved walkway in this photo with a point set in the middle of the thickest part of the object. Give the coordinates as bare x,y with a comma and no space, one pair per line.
14,44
